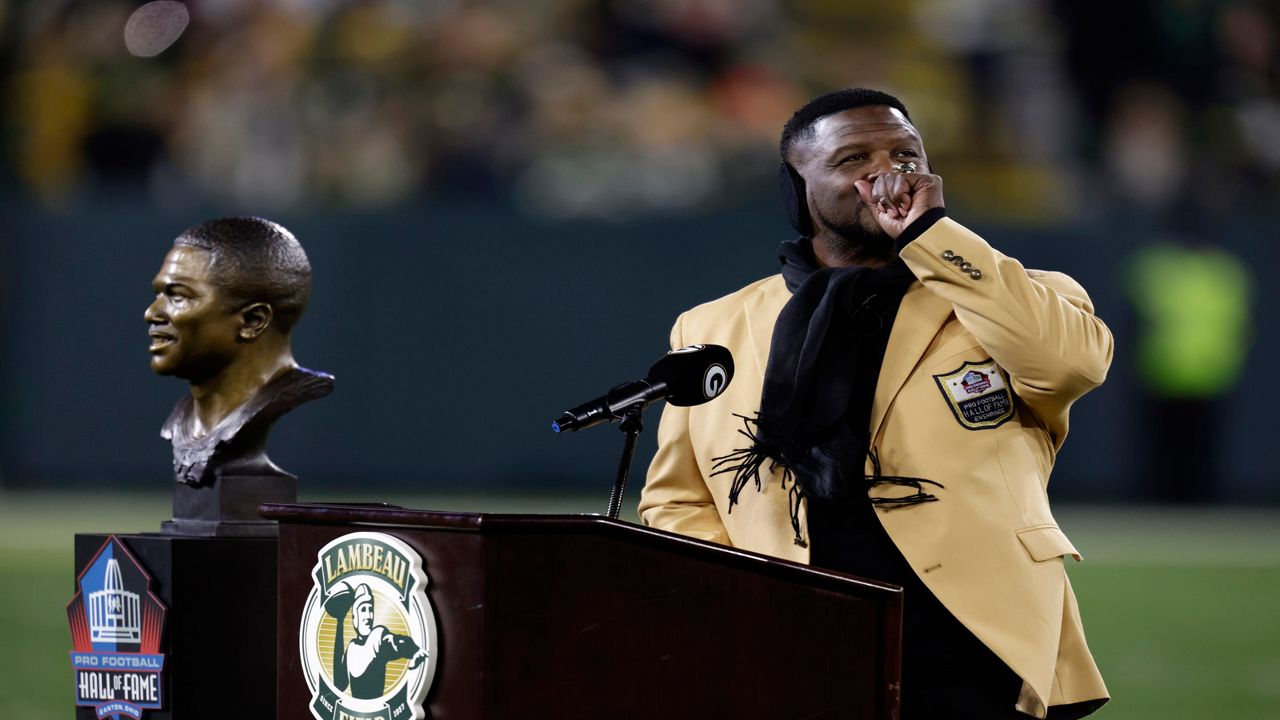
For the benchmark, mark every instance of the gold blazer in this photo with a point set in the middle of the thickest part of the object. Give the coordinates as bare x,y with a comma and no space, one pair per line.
978,377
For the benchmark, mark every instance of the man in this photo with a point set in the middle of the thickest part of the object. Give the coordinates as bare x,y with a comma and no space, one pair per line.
363,661
902,388
226,299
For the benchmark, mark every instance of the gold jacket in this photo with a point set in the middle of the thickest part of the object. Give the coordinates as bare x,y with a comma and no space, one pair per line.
989,549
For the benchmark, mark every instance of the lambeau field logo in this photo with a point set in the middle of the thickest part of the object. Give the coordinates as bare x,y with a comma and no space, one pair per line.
368,635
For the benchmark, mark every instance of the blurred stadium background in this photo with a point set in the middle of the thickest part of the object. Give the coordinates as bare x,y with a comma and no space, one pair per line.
506,204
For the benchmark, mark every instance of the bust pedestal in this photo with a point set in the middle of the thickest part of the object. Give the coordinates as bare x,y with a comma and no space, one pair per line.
229,506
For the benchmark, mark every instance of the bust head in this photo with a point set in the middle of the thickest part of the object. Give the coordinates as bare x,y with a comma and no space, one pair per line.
227,289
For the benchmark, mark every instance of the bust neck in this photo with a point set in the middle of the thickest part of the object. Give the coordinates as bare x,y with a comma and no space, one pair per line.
212,400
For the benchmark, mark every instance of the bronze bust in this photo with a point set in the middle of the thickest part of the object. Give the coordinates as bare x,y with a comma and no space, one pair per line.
226,299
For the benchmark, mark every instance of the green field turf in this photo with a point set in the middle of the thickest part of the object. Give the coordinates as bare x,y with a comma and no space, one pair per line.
1182,608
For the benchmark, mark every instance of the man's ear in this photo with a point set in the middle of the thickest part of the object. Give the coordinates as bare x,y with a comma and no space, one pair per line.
254,320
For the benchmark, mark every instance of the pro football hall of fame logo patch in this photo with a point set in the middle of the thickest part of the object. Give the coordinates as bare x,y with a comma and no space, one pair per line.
978,394
116,627
368,635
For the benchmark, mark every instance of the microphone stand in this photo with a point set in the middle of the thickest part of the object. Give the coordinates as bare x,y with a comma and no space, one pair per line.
630,427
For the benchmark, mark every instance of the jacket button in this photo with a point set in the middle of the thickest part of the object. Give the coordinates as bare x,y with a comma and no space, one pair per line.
947,255
957,260
976,274
966,267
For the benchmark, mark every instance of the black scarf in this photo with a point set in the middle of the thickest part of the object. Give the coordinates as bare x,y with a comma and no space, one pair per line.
824,361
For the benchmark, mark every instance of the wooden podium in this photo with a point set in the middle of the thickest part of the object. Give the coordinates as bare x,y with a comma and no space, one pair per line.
578,616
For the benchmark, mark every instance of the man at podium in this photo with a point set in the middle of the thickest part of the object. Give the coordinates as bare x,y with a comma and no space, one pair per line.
902,389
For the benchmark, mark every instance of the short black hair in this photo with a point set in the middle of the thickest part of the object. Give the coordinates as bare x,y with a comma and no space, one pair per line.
800,127
255,260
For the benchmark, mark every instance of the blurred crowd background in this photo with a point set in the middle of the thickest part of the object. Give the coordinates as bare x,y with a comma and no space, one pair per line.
569,174
1038,110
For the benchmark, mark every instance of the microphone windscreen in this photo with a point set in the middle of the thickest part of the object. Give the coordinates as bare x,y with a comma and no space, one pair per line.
695,374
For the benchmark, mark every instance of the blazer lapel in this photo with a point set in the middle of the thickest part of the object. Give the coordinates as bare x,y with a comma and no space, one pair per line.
919,319
762,310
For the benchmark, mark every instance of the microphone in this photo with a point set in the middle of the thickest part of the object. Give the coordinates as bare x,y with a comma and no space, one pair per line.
685,377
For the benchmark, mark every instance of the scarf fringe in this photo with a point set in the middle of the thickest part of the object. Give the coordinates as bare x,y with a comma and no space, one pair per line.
745,464
918,498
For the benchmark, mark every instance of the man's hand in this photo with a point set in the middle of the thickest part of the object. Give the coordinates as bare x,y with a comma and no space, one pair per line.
897,199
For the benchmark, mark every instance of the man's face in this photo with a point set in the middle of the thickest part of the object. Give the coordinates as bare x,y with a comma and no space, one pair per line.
362,618
858,144
193,334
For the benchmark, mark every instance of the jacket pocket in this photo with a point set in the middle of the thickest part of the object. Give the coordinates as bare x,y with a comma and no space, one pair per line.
1045,542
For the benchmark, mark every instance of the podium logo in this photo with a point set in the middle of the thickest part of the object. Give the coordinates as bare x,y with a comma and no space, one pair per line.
116,626
368,634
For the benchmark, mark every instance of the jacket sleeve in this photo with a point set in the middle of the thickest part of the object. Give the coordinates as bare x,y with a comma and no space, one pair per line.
675,495
1039,327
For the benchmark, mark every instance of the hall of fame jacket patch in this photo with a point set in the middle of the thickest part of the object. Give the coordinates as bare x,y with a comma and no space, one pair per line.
368,634
978,394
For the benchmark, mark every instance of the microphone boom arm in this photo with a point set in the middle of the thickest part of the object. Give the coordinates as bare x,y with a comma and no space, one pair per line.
631,427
